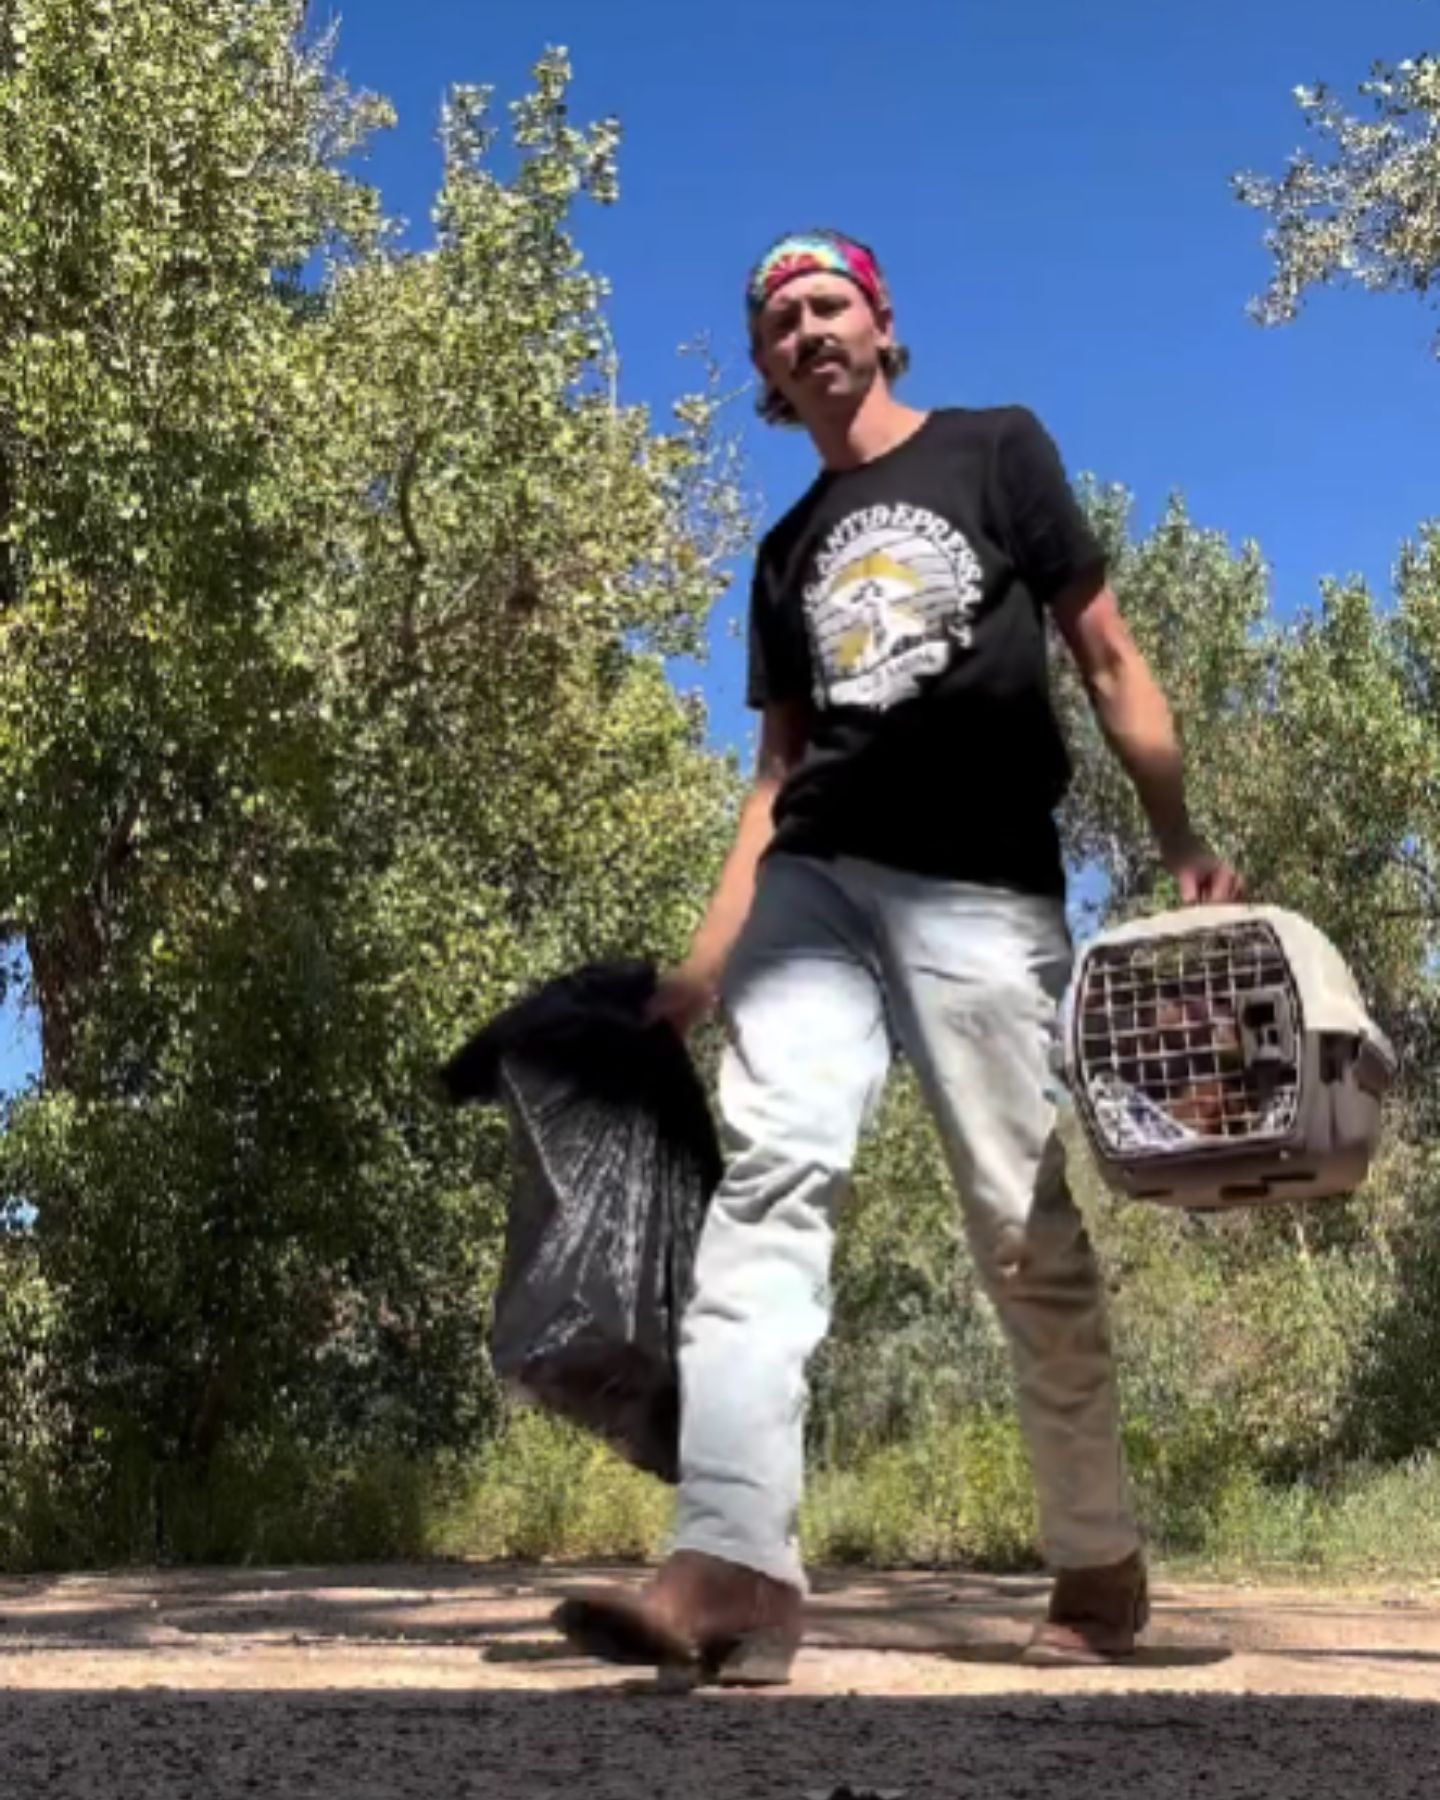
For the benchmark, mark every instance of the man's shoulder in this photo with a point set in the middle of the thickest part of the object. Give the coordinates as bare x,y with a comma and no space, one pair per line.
988,422
781,537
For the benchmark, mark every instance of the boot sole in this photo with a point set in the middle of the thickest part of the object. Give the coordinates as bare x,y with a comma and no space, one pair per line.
614,1634
1038,1654
762,1659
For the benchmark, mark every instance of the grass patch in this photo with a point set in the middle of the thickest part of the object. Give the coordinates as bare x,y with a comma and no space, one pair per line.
1364,1525
959,1494
543,1491
952,1494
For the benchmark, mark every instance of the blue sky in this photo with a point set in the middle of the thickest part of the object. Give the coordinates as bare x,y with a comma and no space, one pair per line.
1047,185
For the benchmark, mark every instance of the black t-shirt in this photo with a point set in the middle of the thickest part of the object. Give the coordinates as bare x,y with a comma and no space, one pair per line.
905,601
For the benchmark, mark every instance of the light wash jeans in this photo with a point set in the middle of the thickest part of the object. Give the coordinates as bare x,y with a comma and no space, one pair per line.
839,963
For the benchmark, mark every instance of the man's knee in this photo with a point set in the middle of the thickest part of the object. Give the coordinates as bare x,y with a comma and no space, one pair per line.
1048,1257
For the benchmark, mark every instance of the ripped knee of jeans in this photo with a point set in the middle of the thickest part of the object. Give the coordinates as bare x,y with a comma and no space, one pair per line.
1010,1255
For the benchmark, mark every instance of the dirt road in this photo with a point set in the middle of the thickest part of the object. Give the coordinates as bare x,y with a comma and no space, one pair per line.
446,1681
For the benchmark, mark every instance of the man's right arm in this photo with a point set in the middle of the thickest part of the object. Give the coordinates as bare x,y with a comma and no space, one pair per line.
687,992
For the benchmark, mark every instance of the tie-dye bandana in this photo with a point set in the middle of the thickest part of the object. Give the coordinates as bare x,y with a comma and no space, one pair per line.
814,253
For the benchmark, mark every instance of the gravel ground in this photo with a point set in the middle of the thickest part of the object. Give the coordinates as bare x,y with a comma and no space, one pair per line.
446,1680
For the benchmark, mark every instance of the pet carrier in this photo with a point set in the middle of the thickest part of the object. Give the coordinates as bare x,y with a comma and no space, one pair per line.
1222,1056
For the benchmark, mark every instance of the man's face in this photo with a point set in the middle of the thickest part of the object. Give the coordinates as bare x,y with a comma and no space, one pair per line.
818,341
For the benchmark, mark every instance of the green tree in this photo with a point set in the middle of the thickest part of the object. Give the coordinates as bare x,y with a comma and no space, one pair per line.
1353,744
1367,208
337,592
1313,749
1311,746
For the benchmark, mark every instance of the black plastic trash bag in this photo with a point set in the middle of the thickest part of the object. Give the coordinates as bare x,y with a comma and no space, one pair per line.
616,1158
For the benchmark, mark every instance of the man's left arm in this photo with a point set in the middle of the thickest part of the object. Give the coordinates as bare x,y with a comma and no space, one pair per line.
1139,728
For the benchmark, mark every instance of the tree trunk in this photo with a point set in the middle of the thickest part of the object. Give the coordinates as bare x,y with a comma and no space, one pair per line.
66,959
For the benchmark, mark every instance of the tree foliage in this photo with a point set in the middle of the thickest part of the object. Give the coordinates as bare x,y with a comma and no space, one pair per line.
1312,749
1366,209
337,585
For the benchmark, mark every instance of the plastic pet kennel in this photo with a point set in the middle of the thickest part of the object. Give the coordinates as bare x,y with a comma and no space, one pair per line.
1222,1056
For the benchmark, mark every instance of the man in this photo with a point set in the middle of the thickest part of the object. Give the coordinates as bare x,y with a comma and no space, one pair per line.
896,884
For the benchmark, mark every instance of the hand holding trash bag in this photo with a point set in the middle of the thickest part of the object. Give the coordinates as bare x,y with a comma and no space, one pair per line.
615,1160
685,995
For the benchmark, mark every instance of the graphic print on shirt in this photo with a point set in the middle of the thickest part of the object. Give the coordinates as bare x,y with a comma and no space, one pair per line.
889,605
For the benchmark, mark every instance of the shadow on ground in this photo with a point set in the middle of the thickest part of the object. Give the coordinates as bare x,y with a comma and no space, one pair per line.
614,1744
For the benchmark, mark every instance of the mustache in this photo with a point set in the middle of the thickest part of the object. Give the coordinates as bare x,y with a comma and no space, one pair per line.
812,350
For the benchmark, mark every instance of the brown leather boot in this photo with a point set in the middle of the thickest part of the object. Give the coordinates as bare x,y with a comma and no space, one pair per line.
1095,1616
701,1619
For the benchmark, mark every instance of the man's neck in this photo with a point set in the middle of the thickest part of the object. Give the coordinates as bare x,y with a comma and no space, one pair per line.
878,424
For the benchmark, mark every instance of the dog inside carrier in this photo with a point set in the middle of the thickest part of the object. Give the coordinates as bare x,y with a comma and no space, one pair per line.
1222,1056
